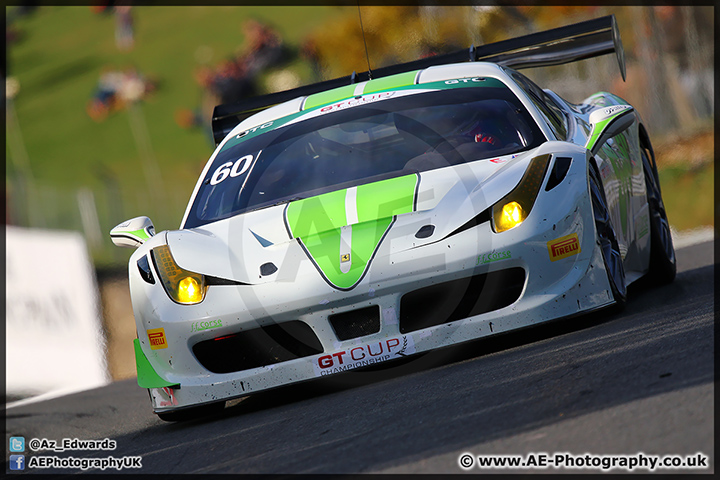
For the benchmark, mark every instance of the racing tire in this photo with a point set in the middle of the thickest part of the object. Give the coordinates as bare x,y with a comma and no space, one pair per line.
662,253
192,413
607,240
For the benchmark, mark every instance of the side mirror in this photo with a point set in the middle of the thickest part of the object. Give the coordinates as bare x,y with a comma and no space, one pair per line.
606,123
133,232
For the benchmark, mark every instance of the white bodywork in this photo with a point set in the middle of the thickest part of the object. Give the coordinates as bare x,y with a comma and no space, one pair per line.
447,198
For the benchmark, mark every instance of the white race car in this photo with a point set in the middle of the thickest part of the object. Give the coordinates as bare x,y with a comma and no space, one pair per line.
339,227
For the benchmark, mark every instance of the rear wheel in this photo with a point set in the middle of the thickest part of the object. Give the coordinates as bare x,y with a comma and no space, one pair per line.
607,239
662,253
192,413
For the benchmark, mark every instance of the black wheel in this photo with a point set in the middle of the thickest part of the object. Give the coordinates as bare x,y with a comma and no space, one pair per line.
662,253
607,239
192,413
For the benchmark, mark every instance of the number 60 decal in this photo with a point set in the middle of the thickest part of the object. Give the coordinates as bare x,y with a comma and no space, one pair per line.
230,169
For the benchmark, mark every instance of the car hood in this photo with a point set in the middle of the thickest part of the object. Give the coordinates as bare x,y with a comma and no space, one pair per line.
348,226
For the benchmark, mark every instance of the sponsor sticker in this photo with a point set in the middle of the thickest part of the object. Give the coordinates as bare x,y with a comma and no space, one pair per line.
464,80
345,258
200,326
493,257
502,159
615,109
563,247
253,130
362,100
156,336
364,355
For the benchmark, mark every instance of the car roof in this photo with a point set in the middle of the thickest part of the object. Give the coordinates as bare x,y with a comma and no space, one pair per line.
392,82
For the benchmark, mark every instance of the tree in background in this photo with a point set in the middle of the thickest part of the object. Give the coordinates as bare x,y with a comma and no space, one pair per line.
668,49
404,33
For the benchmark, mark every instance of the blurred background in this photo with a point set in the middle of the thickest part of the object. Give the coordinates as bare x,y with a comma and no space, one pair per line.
108,106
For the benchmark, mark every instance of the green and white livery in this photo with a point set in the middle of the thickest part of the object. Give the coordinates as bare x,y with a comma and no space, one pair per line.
346,227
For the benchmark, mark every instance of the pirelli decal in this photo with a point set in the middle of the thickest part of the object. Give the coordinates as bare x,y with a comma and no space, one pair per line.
563,247
157,338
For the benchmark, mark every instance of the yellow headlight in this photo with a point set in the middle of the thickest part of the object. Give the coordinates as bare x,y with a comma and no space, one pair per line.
512,214
189,290
514,208
181,285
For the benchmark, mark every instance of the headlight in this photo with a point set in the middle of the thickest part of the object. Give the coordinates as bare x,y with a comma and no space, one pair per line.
181,285
511,214
514,208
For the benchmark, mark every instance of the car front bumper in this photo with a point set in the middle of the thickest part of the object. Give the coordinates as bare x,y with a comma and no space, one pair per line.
555,285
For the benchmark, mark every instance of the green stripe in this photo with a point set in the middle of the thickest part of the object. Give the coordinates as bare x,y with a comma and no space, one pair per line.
599,128
312,216
142,234
386,198
596,132
147,377
334,95
317,222
391,82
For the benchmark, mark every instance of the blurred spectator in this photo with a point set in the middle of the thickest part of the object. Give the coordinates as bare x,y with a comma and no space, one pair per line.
310,53
102,7
263,47
124,38
236,78
116,89
281,80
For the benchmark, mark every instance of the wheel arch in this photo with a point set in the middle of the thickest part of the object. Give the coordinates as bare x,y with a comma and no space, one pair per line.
645,143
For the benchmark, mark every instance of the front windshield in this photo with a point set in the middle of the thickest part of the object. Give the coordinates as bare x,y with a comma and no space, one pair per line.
362,144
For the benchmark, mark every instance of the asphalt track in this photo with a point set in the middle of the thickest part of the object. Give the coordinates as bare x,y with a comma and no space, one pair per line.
609,383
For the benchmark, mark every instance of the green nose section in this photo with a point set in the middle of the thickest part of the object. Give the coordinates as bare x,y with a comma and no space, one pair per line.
342,230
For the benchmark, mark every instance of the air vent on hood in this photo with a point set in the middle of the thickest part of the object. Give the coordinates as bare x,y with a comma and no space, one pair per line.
267,269
145,272
425,231
559,170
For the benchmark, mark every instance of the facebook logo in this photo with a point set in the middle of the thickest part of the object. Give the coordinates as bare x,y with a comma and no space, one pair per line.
17,444
17,462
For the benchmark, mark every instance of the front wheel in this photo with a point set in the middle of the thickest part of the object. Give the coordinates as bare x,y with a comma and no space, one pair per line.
607,239
662,253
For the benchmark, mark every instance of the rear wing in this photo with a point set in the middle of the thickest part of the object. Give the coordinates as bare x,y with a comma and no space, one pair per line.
561,45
